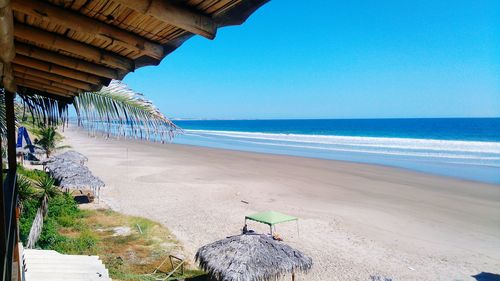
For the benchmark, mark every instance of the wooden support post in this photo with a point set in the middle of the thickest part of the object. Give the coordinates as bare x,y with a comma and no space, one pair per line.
3,221
11,130
10,189
7,192
92,27
59,42
167,12
7,52
7,78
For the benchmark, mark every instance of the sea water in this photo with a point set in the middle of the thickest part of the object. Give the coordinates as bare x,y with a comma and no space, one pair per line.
466,148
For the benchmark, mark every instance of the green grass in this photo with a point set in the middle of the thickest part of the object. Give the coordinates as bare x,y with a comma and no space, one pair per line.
31,174
70,230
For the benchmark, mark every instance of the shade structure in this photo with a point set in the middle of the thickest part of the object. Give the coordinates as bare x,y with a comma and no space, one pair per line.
63,48
70,173
251,257
69,155
271,218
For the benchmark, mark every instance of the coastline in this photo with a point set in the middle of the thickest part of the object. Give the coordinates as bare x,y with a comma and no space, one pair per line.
356,220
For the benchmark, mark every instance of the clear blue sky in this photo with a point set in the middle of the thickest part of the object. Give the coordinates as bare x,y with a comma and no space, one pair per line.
338,59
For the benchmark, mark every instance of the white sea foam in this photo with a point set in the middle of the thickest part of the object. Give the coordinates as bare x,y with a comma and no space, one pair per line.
452,149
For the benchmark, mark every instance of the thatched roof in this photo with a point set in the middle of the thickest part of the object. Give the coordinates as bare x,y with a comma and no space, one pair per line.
251,257
69,155
70,173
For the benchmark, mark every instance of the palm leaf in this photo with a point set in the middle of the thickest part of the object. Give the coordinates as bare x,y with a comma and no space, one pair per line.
49,190
118,110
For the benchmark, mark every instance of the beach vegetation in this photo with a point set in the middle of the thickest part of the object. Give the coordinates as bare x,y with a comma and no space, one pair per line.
47,191
48,139
131,247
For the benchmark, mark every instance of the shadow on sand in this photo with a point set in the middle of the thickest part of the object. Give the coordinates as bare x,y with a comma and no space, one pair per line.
486,276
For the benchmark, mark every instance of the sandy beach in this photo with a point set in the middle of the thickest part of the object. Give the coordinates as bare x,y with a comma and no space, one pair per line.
357,221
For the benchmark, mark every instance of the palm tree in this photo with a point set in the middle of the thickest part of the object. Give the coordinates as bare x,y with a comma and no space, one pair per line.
48,139
49,190
25,191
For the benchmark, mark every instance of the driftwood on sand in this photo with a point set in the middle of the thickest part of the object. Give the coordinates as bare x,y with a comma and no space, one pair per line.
251,257
70,173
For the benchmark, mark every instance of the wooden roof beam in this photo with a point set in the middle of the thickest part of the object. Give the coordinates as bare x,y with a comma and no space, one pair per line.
59,70
70,62
53,77
26,77
181,17
81,23
45,88
56,41
59,97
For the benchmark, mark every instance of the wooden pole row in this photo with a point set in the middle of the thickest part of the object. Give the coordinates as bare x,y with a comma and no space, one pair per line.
20,69
167,12
92,27
70,62
58,42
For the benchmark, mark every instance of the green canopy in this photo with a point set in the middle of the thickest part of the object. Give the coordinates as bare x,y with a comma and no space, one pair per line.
271,217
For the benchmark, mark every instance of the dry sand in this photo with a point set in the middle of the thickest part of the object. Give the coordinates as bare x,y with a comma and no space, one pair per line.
358,222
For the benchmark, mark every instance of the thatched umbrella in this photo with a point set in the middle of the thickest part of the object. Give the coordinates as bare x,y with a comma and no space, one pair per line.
70,155
70,173
251,257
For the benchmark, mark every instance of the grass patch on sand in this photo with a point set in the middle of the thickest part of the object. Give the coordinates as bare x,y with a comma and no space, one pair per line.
130,247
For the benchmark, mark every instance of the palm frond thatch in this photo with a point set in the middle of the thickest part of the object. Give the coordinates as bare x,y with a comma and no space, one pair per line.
70,155
118,110
71,174
251,257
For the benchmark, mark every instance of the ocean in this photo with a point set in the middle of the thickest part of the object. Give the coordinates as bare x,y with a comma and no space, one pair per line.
466,148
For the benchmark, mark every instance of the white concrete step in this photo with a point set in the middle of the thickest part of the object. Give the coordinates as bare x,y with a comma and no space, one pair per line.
101,271
43,265
31,254
60,260
66,276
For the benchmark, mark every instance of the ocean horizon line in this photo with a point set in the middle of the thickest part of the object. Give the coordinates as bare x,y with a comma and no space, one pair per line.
327,118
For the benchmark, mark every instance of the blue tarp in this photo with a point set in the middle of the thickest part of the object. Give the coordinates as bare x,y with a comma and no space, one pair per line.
23,133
